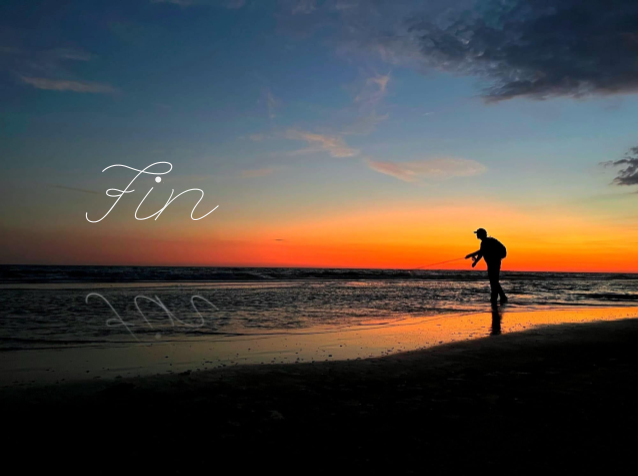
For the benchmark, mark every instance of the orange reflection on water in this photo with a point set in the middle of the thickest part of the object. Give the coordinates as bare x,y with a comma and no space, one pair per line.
310,345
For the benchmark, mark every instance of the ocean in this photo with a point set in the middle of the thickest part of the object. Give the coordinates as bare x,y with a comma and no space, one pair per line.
50,307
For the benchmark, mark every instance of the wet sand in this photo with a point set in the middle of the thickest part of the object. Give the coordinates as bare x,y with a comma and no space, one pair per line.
553,399
315,344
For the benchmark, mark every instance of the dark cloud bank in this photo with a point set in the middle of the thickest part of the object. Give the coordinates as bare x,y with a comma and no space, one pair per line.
521,48
538,48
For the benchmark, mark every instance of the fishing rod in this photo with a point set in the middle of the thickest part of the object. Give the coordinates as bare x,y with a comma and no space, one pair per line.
440,262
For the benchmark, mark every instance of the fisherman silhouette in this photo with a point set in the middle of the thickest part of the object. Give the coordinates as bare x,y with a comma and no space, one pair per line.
492,251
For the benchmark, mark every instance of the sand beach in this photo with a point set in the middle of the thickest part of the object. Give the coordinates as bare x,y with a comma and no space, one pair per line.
552,398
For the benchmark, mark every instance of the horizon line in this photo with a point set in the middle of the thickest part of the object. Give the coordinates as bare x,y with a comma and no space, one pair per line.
472,270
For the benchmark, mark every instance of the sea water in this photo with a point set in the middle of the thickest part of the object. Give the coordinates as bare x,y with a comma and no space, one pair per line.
69,306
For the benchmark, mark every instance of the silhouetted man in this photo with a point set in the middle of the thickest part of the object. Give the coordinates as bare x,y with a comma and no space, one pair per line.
492,251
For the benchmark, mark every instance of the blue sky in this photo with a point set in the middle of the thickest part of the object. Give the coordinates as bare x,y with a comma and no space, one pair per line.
298,105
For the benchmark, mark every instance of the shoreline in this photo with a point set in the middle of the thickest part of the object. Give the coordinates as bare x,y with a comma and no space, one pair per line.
549,398
30,367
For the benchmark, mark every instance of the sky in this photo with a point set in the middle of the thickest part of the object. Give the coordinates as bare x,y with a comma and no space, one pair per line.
334,133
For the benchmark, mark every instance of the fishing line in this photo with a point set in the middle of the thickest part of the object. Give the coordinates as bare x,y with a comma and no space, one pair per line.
440,262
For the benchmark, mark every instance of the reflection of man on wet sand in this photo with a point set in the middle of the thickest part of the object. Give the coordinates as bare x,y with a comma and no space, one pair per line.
497,317
492,251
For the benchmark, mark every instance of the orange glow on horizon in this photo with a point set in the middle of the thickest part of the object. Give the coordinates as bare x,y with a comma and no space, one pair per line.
399,237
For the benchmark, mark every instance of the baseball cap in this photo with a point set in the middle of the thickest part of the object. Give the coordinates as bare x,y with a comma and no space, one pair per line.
481,231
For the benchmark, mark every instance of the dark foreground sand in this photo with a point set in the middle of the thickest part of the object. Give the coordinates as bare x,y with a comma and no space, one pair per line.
559,400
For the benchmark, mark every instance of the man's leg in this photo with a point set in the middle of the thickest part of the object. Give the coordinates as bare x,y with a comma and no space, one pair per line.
501,293
494,273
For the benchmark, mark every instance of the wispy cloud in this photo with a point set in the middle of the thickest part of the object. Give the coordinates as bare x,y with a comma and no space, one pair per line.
629,174
49,62
50,69
374,91
271,102
417,170
366,103
254,173
303,7
334,145
345,5
67,85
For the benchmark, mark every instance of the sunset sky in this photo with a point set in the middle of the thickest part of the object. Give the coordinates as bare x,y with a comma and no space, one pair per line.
335,133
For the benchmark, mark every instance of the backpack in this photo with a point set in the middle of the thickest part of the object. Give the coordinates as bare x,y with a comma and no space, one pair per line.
500,247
